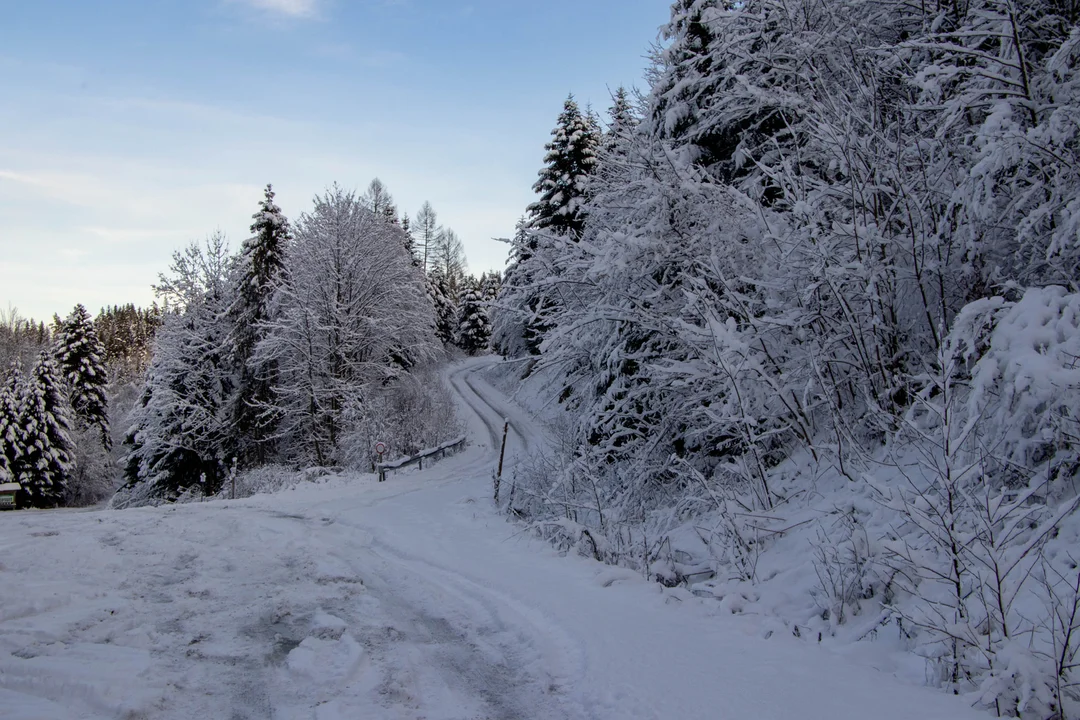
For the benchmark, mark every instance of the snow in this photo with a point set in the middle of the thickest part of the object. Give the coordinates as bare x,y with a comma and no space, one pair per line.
412,598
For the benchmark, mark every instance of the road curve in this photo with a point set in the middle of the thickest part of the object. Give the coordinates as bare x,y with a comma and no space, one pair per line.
412,598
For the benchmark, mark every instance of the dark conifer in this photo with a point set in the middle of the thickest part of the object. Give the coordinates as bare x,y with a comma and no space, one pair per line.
11,433
563,182
474,328
445,312
47,458
261,263
81,360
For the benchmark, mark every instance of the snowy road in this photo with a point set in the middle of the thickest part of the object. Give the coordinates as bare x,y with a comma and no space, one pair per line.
407,599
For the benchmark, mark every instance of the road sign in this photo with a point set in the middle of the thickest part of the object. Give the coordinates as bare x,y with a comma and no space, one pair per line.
380,447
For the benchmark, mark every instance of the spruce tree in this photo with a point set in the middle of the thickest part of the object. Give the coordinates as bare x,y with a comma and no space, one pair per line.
685,84
81,359
490,283
613,163
559,213
563,182
445,312
261,263
47,459
474,328
621,113
408,239
11,433
510,321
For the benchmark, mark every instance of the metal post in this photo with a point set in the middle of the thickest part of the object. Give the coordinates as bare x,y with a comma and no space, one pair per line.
502,452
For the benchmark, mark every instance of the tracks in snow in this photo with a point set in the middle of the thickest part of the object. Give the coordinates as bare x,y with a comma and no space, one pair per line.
334,602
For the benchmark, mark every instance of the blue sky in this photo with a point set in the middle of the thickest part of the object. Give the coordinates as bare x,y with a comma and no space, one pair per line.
130,127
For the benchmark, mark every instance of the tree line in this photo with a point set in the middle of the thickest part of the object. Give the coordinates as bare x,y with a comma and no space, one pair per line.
314,340
54,422
302,348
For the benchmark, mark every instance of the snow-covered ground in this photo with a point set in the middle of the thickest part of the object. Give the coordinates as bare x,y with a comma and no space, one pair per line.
407,599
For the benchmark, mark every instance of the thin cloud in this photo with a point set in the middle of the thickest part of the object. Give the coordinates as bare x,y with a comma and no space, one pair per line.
286,8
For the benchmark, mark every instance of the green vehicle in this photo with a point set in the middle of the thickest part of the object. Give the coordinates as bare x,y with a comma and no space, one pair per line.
7,495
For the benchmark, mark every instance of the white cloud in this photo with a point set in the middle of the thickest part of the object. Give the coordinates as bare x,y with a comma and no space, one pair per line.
288,8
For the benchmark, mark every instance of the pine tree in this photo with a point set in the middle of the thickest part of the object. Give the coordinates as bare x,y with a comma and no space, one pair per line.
409,239
521,323
510,316
563,182
615,157
261,264
621,117
474,328
490,282
11,431
81,360
47,460
684,83
445,310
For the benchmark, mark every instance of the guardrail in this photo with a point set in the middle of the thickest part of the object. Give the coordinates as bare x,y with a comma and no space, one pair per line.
435,452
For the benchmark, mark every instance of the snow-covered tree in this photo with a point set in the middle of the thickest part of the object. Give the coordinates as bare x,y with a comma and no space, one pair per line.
563,181
182,425
350,315
127,334
438,291
408,239
564,188
379,200
515,331
621,116
80,356
489,285
427,229
11,429
47,458
474,328
447,256
21,339
258,272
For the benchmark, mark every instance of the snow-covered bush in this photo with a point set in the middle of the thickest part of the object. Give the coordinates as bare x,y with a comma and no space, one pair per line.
990,478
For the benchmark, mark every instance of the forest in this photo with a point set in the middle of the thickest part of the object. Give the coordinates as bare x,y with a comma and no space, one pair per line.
811,300
802,313
298,351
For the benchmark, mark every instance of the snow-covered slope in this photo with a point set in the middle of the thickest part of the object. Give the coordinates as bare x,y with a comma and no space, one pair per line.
407,599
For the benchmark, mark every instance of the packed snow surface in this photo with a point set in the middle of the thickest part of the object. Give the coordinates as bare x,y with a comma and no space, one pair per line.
411,598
